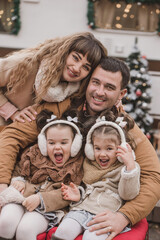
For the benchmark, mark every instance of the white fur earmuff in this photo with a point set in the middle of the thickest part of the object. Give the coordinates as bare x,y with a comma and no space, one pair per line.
76,144
89,151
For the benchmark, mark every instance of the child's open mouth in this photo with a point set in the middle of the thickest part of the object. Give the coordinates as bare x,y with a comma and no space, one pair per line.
58,157
104,162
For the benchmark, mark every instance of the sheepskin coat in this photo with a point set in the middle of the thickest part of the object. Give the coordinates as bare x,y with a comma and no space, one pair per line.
42,176
107,189
18,135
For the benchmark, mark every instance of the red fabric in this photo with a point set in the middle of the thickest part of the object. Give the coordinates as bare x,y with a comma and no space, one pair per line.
138,232
42,236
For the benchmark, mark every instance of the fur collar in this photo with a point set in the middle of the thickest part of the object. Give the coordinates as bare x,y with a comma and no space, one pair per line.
56,93
61,91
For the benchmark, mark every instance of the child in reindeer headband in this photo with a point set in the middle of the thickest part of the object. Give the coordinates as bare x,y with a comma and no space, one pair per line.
106,181
43,167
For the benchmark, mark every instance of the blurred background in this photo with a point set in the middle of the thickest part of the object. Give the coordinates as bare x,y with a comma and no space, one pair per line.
130,30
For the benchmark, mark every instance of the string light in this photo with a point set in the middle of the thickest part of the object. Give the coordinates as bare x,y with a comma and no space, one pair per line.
118,25
118,5
9,16
126,13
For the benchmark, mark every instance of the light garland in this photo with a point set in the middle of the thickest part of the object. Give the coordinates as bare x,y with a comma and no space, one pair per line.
16,18
91,17
10,17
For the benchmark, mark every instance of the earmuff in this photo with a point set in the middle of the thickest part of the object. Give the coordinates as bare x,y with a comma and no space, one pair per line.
89,151
76,144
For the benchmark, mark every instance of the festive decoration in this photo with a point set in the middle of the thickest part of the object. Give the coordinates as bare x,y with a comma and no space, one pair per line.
138,97
9,16
16,18
91,16
138,1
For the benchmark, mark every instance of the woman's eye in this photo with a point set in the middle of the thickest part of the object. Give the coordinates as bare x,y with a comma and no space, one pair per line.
75,57
86,68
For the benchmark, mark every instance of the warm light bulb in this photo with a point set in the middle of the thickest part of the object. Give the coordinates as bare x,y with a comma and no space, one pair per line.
118,5
118,25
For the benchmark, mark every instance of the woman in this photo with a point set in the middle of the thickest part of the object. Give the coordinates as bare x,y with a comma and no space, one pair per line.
52,71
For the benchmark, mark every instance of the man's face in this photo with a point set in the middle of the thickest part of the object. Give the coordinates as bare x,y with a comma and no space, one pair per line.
104,90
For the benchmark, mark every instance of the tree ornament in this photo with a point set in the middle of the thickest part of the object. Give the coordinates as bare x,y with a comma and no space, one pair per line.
139,112
128,107
144,105
133,115
142,70
138,96
138,75
148,135
138,92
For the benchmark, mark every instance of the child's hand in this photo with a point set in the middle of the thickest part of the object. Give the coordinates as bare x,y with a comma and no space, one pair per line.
70,192
31,202
127,157
19,185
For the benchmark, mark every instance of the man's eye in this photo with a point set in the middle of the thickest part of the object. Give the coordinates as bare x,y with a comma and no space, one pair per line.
110,88
95,82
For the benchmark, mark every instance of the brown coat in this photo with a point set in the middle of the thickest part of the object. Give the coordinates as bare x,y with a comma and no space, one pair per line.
25,91
19,135
44,177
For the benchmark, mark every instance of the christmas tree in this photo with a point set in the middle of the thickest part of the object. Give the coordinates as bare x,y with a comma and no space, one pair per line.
136,102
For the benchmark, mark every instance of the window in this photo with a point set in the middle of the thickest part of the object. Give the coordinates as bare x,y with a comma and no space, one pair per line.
124,15
9,16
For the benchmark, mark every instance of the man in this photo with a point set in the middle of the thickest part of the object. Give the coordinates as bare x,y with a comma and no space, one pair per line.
106,88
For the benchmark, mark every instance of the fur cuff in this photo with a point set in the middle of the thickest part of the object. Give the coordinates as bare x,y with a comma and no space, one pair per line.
10,195
129,174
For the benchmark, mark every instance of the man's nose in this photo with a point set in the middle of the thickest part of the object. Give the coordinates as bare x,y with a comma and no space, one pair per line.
100,90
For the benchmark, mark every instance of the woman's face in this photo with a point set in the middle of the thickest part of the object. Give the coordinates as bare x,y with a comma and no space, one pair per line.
76,68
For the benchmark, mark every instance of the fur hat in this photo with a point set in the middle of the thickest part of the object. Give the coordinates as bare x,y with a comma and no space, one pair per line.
77,141
89,151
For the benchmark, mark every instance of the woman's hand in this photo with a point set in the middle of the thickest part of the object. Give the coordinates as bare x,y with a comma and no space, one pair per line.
108,222
32,202
27,114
